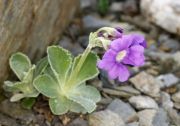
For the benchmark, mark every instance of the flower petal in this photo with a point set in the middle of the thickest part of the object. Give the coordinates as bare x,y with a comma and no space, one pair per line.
110,55
114,71
121,43
105,64
135,56
139,40
123,74
137,48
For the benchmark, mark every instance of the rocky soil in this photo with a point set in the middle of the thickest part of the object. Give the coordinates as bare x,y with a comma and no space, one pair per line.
151,97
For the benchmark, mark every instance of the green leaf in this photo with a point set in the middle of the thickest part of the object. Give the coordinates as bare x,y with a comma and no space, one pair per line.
17,97
14,87
75,107
41,66
86,96
28,78
60,61
88,92
59,105
87,71
47,86
27,103
88,104
20,64
49,71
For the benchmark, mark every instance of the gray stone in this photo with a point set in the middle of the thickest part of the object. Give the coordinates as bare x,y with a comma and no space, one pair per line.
14,110
117,93
177,105
78,122
84,4
105,118
128,89
116,7
175,116
92,23
176,57
143,102
83,40
146,83
168,80
167,60
164,13
168,44
133,124
75,48
146,117
166,100
161,118
124,110
176,97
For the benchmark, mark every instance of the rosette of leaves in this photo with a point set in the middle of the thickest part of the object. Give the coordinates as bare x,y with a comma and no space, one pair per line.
64,82
26,72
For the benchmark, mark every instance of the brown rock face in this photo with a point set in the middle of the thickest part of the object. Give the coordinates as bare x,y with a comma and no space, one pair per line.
30,26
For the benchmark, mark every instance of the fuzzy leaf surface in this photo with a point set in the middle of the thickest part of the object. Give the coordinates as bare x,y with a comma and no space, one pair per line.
47,86
60,61
59,105
41,66
87,71
20,64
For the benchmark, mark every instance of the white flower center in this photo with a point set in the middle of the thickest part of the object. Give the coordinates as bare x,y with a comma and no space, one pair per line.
121,55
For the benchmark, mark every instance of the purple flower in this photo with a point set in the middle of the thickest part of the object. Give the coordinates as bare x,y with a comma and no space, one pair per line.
110,33
124,51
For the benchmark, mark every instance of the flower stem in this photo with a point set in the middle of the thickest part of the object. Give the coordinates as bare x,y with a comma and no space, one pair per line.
79,65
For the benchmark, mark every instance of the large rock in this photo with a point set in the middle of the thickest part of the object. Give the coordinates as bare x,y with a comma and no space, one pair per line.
30,26
165,13
143,102
146,83
146,117
124,110
105,118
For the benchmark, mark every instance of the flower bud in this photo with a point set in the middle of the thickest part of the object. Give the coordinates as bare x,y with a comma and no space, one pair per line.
104,36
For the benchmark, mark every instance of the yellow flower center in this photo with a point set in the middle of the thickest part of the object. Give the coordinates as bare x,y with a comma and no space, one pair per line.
121,55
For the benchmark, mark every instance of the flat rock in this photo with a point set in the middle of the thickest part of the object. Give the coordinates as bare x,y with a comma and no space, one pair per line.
146,117
176,97
124,110
177,105
166,100
143,102
128,89
105,118
118,93
164,13
175,116
168,80
146,83
161,118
